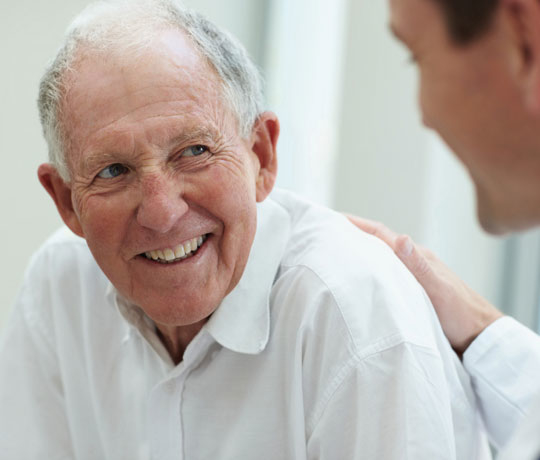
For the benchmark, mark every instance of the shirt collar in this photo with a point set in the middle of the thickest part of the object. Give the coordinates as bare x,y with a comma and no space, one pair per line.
137,318
242,321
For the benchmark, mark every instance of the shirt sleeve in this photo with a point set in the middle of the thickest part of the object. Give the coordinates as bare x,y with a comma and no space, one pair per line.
504,365
391,405
33,423
525,443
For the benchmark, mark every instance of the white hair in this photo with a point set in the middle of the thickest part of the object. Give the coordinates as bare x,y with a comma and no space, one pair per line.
127,26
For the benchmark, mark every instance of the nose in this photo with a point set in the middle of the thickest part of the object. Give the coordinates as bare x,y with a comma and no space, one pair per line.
162,203
426,121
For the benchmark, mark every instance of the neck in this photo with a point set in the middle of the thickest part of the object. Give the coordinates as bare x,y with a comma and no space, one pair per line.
177,338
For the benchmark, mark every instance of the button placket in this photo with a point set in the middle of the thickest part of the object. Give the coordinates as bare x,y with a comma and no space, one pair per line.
165,403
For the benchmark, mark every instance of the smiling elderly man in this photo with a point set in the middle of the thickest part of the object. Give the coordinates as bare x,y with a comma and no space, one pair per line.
194,317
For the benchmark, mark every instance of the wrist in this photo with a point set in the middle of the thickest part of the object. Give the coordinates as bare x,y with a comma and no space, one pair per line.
483,315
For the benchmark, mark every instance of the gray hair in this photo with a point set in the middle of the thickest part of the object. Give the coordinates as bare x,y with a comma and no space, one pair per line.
128,24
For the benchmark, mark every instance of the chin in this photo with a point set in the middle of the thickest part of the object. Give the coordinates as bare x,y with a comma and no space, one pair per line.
502,219
177,312
179,318
489,214
492,225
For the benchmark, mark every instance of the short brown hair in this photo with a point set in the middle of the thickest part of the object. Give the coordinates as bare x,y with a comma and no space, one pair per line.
467,19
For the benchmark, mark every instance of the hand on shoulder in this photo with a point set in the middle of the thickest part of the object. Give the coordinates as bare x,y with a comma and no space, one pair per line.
463,313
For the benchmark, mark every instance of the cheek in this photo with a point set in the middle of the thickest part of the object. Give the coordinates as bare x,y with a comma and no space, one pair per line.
234,189
231,198
104,221
443,102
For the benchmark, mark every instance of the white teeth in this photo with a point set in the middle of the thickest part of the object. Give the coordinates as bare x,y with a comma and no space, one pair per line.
180,252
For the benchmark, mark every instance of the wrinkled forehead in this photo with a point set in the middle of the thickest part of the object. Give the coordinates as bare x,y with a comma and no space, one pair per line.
108,85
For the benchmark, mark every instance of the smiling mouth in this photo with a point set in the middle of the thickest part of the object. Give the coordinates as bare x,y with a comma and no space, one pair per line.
181,252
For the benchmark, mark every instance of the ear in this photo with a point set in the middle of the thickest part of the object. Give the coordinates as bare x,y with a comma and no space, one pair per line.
264,140
524,19
60,192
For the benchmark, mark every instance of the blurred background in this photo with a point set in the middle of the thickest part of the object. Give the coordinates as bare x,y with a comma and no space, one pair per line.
352,136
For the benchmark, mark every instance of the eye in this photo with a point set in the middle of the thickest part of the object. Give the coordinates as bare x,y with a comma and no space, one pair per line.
112,171
194,151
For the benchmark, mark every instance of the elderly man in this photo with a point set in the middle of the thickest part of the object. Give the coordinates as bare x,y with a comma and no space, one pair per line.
194,317
479,63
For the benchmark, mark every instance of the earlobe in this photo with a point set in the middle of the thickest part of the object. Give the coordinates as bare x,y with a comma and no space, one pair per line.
264,142
524,17
60,192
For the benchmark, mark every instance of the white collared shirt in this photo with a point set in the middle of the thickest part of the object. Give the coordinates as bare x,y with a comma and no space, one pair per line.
504,363
326,349
525,441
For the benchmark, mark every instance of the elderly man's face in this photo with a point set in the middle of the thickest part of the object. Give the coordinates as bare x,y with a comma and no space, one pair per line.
159,171
474,96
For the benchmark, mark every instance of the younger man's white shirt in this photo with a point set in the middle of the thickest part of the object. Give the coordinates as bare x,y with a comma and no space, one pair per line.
525,441
326,349
504,363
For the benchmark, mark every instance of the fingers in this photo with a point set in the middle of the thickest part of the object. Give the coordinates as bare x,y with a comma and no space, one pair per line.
462,312
404,247
412,257
367,225
376,229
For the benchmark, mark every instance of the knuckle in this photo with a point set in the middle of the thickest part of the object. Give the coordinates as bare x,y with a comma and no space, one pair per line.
427,253
422,266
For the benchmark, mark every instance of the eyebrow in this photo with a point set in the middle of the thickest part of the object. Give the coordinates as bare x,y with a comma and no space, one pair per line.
193,135
100,157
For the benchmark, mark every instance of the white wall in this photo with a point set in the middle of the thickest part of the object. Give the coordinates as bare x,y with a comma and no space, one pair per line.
382,162
30,32
304,73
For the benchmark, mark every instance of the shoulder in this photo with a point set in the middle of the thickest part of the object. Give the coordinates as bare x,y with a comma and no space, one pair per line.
352,279
328,243
61,279
62,256
60,242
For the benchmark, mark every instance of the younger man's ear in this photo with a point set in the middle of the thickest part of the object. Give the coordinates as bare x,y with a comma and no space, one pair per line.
264,140
60,192
524,16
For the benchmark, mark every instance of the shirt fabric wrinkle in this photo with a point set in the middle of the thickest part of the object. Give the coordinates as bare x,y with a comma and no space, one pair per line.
270,372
